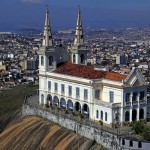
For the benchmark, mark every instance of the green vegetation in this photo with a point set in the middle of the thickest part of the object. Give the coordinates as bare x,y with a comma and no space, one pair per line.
142,129
12,99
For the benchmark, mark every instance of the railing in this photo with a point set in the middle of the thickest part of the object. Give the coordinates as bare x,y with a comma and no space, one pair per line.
56,91
102,103
49,89
134,103
142,102
77,96
127,103
62,93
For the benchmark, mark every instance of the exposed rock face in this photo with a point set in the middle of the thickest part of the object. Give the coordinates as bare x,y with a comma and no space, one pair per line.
37,133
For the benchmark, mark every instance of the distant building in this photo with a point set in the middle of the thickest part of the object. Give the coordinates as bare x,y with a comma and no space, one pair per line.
30,64
120,59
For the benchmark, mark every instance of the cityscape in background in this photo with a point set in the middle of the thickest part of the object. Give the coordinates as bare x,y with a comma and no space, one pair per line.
89,83
117,50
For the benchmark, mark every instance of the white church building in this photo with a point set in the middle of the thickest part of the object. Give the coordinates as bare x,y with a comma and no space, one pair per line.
67,82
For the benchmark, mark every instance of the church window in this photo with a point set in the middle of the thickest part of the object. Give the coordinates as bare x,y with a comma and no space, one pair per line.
56,87
101,115
111,96
62,88
74,58
123,142
77,92
49,85
50,60
42,60
134,98
70,90
97,114
85,94
105,116
127,97
97,94
142,95
131,143
140,144
82,59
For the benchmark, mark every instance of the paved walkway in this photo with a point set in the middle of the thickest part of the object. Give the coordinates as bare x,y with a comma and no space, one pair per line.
120,131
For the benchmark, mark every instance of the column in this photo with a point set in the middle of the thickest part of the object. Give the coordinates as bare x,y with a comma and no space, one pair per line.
74,108
121,115
59,105
137,115
130,114
131,95
77,59
112,116
138,99
145,112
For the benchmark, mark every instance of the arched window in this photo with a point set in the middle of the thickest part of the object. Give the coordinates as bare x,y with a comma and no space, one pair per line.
74,58
42,60
123,142
97,114
105,116
141,115
127,116
50,60
134,114
82,59
131,143
140,144
101,115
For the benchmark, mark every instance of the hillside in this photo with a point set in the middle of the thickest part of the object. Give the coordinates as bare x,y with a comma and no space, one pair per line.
11,99
37,133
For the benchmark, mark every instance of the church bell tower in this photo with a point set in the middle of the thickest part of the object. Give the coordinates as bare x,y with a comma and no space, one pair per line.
47,56
78,52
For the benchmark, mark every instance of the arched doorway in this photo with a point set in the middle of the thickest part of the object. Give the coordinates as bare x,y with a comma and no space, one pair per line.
82,58
49,99
70,105
134,113
56,101
42,99
141,113
77,107
85,110
62,103
127,116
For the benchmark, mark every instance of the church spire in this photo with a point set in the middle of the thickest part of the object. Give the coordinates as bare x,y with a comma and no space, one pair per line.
79,31
47,37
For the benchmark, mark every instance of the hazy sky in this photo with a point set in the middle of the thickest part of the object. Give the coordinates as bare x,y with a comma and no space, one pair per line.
63,13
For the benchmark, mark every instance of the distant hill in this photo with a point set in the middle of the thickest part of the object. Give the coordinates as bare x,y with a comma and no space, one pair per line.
29,30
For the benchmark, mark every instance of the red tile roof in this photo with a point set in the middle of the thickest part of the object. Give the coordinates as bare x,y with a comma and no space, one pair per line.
84,71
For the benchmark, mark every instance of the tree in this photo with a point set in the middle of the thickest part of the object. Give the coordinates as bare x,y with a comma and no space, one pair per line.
138,127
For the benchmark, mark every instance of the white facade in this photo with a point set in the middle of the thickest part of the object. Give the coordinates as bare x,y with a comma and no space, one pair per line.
111,101
98,108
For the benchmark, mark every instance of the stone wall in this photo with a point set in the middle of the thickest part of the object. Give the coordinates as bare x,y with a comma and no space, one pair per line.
108,140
